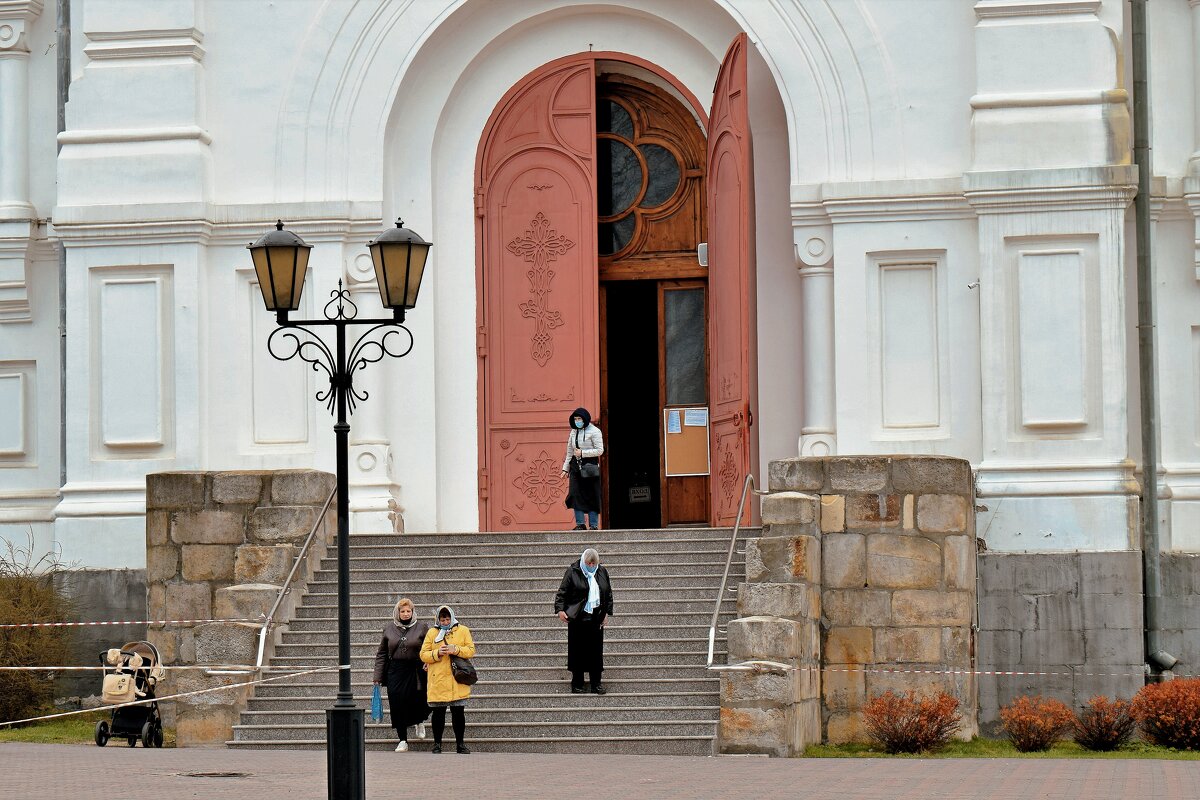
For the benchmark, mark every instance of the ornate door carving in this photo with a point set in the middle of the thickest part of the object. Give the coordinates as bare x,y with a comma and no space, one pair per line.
732,378
538,329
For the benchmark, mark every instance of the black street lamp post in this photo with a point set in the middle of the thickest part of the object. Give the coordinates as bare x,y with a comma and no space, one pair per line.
281,262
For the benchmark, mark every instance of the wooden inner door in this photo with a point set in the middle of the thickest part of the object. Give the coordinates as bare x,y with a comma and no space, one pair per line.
651,217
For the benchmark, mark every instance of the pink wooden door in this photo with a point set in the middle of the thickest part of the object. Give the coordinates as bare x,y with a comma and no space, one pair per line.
538,326
732,378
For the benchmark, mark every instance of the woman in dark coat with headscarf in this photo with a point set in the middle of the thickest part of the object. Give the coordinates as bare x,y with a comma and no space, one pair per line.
398,661
585,602
585,445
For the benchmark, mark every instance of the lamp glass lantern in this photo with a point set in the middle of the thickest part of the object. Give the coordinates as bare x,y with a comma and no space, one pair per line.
281,262
399,255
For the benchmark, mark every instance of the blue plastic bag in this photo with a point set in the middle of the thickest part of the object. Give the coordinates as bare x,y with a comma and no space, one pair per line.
376,705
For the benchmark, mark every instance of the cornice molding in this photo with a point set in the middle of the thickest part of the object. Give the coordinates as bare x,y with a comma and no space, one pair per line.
993,9
182,43
124,135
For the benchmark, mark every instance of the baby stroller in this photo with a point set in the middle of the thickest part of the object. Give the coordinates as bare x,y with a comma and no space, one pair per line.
131,673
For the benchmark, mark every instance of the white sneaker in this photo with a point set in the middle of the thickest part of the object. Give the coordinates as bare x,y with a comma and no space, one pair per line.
402,747
420,730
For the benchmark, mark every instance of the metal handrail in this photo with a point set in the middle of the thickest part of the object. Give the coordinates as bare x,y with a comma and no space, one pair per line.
737,524
287,583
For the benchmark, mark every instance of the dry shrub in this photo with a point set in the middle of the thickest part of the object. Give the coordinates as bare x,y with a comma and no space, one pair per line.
27,594
1169,713
1104,724
911,724
1035,723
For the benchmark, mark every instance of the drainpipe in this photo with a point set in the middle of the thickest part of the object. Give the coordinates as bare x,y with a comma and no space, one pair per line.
1157,659
63,57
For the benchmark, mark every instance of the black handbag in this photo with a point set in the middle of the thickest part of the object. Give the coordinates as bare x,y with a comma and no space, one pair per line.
463,670
586,470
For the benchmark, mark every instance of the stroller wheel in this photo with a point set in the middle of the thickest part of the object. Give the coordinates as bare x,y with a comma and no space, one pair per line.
133,741
148,734
158,736
101,733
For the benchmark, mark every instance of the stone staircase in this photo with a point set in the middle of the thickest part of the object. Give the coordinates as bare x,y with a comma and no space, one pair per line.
661,699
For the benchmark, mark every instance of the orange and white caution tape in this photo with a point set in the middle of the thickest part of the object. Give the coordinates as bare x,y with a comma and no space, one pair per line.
172,696
259,620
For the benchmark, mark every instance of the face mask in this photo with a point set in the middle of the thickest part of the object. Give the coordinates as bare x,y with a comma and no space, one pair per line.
579,424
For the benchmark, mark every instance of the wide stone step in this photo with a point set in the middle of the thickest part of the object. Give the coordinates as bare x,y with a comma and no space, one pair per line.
541,626
465,609
532,673
564,549
581,539
327,648
631,745
537,697
367,617
548,731
546,584
475,574
651,653
544,594
387,557
323,687
527,715
549,630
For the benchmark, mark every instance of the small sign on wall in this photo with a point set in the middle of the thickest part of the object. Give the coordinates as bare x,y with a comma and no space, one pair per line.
685,441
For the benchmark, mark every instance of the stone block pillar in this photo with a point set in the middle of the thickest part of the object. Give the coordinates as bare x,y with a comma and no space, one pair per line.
775,708
898,580
863,581
219,546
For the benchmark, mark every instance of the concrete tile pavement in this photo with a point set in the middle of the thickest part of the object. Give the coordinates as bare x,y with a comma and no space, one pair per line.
84,772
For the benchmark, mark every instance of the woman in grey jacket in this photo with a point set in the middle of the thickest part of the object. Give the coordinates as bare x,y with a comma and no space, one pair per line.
585,445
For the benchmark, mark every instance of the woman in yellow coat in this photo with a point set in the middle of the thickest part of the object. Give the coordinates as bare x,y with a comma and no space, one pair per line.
447,638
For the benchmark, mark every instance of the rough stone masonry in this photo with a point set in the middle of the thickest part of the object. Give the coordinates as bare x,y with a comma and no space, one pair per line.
219,545
877,554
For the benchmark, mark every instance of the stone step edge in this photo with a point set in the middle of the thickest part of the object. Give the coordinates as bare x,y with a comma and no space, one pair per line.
252,743
499,724
546,709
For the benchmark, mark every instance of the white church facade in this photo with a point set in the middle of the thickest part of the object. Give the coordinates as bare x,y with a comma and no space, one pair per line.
917,216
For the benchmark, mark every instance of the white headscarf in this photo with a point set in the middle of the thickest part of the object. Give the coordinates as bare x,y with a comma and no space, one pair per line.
437,623
593,599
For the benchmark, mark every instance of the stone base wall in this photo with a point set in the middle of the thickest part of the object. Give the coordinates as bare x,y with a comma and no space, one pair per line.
1181,610
99,595
1076,616
219,545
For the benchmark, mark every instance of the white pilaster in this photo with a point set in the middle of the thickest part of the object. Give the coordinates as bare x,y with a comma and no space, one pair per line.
813,238
17,215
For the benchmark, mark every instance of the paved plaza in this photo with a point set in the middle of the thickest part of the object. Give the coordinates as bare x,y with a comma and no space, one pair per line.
83,772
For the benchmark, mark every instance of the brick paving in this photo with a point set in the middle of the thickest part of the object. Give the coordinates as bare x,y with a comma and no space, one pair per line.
80,772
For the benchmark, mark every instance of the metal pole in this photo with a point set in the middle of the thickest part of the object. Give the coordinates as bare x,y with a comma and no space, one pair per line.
347,759
1151,549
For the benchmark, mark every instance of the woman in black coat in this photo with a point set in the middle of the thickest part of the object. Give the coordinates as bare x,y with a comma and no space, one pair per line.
398,661
584,601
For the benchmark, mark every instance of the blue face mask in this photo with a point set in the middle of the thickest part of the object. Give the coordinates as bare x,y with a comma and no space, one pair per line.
579,424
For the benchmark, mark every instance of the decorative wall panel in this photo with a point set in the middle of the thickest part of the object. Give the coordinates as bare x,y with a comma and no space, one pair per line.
18,414
133,372
281,392
1052,327
908,346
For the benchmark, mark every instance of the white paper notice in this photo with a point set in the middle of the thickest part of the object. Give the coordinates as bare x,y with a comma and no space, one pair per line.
695,417
673,421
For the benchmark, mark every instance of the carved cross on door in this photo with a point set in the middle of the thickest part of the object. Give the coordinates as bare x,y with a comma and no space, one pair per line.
540,246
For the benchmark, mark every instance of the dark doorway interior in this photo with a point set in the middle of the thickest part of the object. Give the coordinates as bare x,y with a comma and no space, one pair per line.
631,339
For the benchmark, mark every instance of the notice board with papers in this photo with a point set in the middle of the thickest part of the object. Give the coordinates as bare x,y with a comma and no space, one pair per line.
685,441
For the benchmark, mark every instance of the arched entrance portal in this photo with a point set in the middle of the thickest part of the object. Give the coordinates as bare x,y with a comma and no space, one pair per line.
592,191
